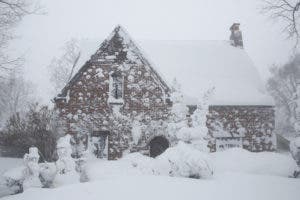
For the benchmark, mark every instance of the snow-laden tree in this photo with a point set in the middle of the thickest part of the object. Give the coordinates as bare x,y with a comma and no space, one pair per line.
62,68
179,110
197,135
195,132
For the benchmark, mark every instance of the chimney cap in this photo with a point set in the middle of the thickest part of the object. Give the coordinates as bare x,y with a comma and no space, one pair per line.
234,25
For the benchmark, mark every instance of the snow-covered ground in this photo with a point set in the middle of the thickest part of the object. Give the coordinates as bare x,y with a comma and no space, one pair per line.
238,175
8,163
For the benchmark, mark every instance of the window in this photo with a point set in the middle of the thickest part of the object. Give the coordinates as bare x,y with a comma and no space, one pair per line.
117,86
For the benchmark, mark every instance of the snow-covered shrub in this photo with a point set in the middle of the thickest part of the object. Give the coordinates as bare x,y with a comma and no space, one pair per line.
65,163
13,180
182,160
295,151
26,176
186,161
47,174
32,170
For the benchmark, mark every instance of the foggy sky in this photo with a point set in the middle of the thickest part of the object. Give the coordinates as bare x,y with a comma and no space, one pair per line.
41,36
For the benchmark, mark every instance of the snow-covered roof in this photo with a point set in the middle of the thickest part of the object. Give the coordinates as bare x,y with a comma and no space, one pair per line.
201,65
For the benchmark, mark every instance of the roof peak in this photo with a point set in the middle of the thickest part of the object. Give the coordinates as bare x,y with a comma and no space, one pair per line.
120,30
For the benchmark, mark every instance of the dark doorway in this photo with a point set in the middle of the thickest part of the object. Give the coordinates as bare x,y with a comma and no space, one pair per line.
158,145
100,140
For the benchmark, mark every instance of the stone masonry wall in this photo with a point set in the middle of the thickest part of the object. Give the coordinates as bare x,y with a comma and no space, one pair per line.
144,95
254,124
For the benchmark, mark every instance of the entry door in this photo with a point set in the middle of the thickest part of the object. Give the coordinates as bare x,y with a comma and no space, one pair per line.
100,143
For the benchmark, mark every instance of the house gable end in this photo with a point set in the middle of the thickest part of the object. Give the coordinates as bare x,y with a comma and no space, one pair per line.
117,49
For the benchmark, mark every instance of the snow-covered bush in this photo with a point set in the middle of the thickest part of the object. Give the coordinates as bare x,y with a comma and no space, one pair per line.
181,160
13,181
65,163
32,170
47,174
26,176
186,161
295,151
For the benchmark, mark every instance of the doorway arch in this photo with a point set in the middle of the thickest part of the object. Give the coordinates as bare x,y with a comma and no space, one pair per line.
158,145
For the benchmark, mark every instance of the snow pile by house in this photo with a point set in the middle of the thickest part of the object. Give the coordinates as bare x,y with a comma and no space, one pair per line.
239,160
185,161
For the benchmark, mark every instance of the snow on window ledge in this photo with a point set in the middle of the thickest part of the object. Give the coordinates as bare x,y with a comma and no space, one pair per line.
112,100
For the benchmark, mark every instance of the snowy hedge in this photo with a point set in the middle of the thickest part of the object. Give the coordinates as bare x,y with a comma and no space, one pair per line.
182,161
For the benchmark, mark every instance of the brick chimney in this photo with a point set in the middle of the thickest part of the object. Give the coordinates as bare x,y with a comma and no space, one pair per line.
236,37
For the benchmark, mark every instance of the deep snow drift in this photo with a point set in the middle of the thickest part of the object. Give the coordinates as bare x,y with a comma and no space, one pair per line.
238,174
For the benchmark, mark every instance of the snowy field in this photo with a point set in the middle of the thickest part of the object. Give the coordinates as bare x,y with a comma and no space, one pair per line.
238,175
8,163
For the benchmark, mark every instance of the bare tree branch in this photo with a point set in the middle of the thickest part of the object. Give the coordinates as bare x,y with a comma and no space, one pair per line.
286,11
11,13
62,68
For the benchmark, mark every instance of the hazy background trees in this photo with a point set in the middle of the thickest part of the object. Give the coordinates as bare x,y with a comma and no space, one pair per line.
15,95
39,127
15,91
11,13
62,68
282,85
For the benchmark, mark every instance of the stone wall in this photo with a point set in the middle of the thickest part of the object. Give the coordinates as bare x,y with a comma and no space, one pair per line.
86,99
254,124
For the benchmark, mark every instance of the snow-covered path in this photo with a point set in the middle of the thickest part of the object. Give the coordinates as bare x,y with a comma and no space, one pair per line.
228,186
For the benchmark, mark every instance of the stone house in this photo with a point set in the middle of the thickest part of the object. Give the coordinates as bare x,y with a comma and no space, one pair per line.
118,88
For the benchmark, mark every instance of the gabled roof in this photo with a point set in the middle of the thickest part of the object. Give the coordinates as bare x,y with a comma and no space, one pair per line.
198,66
118,48
201,65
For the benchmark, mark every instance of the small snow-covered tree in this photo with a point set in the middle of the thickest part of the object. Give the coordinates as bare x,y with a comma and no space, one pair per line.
198,133
195,132
179,111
